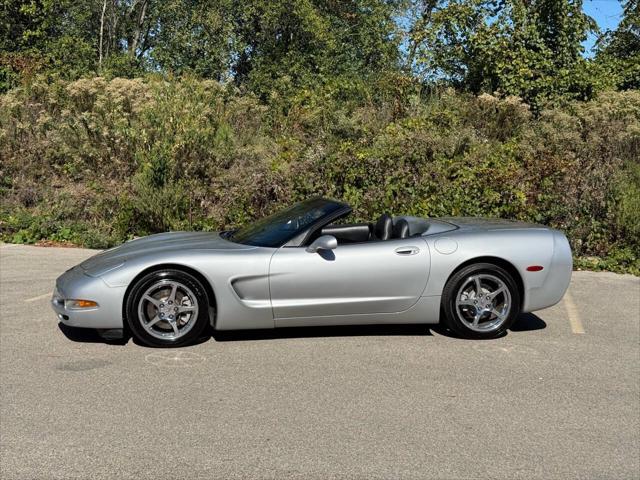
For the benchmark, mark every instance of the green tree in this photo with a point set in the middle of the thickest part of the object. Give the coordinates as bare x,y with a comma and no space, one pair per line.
620,49
49,34
529,48
288,43
280,45
71,39
195,36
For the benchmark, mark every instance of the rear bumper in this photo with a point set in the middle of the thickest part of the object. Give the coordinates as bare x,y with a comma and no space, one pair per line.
75,284
557,279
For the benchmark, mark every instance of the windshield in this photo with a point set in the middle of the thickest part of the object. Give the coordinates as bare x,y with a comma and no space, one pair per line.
277,229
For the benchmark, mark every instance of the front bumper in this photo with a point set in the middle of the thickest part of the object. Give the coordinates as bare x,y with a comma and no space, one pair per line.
75,284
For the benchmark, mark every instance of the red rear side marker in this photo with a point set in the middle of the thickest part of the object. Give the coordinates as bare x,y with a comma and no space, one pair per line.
534,268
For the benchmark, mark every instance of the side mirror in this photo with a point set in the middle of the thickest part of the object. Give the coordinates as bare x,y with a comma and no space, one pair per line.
325,242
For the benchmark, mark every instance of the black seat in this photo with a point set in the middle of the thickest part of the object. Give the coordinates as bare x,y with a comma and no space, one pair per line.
401,229
383,228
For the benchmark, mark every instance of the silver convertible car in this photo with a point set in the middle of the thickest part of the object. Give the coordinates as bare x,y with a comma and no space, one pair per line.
302,266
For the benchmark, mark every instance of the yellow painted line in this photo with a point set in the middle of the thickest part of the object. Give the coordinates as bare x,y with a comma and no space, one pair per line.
572,312
39,297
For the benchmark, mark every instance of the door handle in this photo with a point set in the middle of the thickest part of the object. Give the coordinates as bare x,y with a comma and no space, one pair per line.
407,250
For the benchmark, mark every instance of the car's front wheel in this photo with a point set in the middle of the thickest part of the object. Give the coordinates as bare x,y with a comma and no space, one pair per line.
167,308
480,301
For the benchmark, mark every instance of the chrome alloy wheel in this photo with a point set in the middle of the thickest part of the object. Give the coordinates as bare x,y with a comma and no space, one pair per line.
483,302
168,310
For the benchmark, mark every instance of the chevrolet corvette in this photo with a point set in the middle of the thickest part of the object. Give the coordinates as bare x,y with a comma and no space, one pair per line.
304,266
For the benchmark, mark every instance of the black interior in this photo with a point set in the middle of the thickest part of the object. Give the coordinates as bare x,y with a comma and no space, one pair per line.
351,233
383,229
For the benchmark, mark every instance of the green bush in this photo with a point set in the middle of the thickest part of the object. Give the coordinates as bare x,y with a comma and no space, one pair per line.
98,161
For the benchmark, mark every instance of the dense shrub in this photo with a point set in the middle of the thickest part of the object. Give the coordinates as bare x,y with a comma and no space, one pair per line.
96,162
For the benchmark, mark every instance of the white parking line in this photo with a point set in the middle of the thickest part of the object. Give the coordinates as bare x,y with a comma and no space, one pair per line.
39,297
572,313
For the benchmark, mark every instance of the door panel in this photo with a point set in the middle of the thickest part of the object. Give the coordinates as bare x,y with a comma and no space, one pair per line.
374,277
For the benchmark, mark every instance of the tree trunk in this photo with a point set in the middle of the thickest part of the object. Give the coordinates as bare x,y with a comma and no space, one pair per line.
112,28
104,9
137,34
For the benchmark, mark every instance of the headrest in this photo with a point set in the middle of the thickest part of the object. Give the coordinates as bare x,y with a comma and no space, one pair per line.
401,229
384,227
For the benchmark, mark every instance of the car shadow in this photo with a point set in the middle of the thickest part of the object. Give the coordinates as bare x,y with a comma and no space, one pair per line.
317,332
91,335
526,322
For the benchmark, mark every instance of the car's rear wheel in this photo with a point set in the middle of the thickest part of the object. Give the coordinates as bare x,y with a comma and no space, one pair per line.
480,301
167,308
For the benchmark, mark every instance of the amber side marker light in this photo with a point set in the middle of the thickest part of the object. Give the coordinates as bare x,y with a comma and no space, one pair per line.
78,304
534,268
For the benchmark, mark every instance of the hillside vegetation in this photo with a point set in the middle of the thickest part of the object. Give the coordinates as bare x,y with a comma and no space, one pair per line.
96,162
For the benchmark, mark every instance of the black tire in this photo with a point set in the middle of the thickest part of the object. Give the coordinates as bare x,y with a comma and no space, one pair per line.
457,318
187,283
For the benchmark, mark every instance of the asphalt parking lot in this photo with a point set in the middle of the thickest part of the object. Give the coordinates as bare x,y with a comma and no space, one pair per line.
558,397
